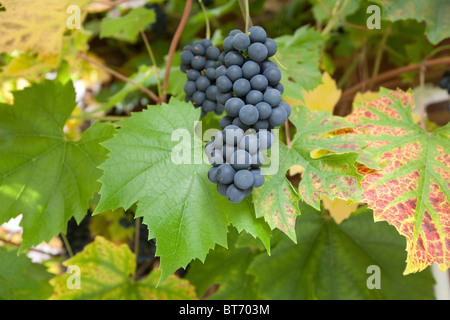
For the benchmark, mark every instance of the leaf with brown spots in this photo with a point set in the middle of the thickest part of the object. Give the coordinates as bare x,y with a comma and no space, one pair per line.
333,174
107,272
411,191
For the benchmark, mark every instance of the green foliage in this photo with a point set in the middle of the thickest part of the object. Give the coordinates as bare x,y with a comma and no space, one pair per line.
46,176
20,279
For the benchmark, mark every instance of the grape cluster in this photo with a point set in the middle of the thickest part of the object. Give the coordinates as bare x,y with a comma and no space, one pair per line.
236,156
199,62
248,83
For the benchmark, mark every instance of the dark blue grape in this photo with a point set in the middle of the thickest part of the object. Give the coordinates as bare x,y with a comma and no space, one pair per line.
211,93
212,174
219,109
234,194
241,87
240,159
241,41
232,106
198,62
234,72
198,49
243,179
259,82
286,107
261,124
257,52
193,74
254,97
190,88
278,117
208,106
258,178
257,34
228,44
185,67
212,53
264,109
224,84
271,46
257,160
222,189
210,73
206,43
234,58
222,97
225,121
225,173
211,64
221,71
234,32
186,57
239,123
250,69
202,83
273,74
280,87
267,64
216,159
198,98
272,97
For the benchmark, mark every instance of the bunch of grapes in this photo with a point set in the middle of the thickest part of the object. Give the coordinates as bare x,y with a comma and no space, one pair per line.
248,83
236,158
199,62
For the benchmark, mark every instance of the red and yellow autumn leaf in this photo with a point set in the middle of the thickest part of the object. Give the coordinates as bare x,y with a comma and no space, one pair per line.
411,189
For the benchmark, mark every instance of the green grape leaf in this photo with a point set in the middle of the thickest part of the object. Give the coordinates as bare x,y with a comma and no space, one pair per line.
433,12
181,207
411,190
299,56
333,174
20,279
127,27
44,175
227,268
322,9
339,261
107,272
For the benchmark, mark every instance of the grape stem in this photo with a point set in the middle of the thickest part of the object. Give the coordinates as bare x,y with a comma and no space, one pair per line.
152,58
208,27
173,47
245,10
67,245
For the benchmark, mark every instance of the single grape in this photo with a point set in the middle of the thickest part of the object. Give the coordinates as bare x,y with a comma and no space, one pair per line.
225,121
208,105
266,139
211,64
259,82
198,49
186,57
286,107
198,62
241,87
198,98
271,46
248,114
234,58
272,97
210,73
264,110
193,74
232,135
234,73
257,52
222,189
224,84
212,174
261,124
233,106
257,34
234,194
243,179
222,97
216,158
202,83
228,44
250,69
258,178
273,74
278,117
241,41
190,88
212,53
221,71
254,97
225,173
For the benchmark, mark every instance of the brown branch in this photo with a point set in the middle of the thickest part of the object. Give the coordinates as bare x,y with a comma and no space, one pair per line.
393,73
120,76
173,47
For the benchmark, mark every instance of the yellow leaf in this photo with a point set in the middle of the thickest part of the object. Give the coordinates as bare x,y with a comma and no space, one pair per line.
35,26
366,96
339,209
324,97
